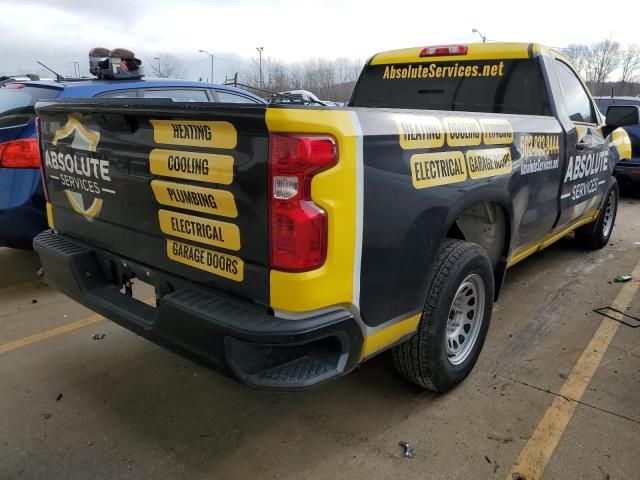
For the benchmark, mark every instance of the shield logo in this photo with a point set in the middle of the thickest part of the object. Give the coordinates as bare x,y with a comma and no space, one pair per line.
83,139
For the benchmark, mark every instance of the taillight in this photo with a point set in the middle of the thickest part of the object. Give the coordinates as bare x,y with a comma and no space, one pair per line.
299,227
20,154
444,50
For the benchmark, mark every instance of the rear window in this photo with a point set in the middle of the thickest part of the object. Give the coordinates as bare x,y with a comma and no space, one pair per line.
496,86
177,95
16,104
226,97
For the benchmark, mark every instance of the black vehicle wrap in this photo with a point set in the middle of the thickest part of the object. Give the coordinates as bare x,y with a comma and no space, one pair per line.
444,164
183,193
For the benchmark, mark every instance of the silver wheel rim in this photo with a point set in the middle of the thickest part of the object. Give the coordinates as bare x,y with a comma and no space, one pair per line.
465,319
608,214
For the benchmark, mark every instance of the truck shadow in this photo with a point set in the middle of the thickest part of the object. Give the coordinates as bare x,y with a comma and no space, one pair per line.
212,427
18,266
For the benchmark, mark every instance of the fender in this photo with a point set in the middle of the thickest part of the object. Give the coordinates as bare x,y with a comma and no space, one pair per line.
506,205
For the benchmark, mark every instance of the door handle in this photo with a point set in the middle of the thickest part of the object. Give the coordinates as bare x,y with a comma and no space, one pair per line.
582,145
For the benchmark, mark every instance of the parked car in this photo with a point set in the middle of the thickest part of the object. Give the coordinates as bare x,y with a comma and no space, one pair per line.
296,97
22,201
628,172
18,78
331,103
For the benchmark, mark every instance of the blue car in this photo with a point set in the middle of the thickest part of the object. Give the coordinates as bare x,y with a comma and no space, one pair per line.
22,200
627,172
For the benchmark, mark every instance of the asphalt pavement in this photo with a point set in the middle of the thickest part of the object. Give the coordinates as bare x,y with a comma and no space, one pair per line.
555,395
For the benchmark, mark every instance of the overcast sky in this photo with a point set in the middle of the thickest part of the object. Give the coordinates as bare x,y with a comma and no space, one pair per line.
62,31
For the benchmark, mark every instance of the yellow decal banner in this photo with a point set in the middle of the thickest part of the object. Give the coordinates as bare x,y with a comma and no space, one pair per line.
462,131
438,168
496,131
227,266
202,167
490,162
203,230
419,132
199,199
195,133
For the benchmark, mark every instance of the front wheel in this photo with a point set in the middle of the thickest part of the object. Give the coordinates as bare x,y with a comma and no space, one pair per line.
596,235
454,321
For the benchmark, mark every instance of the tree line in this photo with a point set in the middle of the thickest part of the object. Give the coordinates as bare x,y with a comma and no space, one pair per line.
600,60
329,79
334,79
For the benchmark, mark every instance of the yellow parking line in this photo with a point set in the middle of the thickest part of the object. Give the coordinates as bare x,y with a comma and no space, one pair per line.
19,286
538,451
69,327
38,337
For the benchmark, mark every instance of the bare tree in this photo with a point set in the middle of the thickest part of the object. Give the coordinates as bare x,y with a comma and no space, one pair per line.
579,54
630,64
603,60
328,79
166,65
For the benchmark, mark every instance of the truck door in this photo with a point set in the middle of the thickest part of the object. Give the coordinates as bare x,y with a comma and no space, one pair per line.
586,164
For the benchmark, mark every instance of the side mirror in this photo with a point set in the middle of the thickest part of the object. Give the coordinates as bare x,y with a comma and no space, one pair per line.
622,115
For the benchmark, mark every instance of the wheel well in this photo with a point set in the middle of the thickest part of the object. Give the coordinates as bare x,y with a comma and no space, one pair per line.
485,224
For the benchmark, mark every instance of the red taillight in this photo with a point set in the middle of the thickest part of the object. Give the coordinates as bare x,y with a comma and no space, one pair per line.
299,227
444,50
635,172
15,85
20,154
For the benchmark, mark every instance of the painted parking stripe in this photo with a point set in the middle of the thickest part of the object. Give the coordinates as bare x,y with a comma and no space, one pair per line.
18,287
540,448
54,332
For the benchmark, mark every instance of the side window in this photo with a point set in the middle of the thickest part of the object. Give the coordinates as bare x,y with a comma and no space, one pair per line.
578,103
226,97
119,94
178,94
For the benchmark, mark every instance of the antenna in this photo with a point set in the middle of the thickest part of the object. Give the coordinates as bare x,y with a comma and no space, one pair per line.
59,77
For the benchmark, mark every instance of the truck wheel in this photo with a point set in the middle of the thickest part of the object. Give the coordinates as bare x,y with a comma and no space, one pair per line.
596,234
454,321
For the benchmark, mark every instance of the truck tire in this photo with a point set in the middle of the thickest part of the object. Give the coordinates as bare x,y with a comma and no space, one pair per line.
454,321
596,235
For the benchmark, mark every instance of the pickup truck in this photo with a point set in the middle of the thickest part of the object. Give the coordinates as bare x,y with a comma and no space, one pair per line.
287,245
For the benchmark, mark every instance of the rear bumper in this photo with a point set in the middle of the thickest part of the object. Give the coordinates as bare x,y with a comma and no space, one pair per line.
259,349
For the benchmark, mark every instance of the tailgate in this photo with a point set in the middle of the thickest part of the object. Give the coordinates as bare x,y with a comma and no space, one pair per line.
178,187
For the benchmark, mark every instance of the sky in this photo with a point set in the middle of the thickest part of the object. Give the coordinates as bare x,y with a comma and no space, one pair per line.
63,31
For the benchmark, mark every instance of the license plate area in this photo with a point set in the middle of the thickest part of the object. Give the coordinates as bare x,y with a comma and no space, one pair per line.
143,292
130,279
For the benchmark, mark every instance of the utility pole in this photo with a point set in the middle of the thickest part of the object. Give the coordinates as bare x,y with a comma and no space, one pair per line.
211,56
159,71
484,39
260,49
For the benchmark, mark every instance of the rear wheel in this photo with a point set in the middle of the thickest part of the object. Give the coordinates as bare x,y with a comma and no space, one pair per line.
596,235
454,321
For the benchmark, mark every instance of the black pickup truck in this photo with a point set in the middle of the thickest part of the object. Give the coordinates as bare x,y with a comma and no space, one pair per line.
290,244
